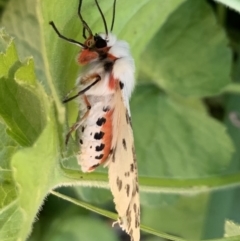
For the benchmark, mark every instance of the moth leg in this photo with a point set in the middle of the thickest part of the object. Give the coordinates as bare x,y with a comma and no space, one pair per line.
89,78
84,81
76,125
67,95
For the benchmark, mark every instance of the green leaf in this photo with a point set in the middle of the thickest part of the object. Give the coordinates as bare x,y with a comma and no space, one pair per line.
178,142
7,186
231,228
231,120
234,4
178,139
34,175
8,59
65,229
10,220
21,106
24,123
26,74
143,227
21,21
24,21
56,51
94,195
180,149
191,58
113,216
127,29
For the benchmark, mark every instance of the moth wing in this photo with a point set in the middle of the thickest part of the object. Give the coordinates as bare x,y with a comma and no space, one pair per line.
123,170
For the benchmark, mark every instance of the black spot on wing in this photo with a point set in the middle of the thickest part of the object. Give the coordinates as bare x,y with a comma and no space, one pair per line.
99,157
129,218
98,135
101,121
135,207
100,148
137,188
81,141
94,166
132,167
127,187
127,174
136,223
124,144
128,118
119,184
130,121
134,155
106,108
121,84
113,156
83,128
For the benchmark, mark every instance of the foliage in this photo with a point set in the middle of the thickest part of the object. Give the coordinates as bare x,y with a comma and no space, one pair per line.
184,111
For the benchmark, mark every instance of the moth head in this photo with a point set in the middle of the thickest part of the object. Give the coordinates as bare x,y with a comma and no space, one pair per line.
96,47
96,42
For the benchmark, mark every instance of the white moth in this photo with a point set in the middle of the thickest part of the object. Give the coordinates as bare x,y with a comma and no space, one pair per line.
104,126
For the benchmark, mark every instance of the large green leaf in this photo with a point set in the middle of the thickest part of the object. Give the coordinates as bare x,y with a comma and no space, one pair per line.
24,117
126,27
232,108
26,180
189,54
21,21
35,167
179,147
177,140
64,228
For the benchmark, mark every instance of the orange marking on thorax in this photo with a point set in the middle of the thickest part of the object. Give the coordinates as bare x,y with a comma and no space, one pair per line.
85,56
107,138
111,57
112,82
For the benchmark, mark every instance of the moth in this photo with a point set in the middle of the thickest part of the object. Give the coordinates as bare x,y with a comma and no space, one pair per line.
104,125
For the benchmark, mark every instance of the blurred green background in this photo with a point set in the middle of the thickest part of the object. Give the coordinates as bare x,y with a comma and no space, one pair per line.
185,114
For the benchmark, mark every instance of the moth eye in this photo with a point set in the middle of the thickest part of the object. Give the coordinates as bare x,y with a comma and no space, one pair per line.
89,43
100,43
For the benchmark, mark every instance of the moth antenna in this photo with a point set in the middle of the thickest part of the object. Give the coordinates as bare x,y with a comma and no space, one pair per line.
65,38
84,32
85,25
103,18
113,16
